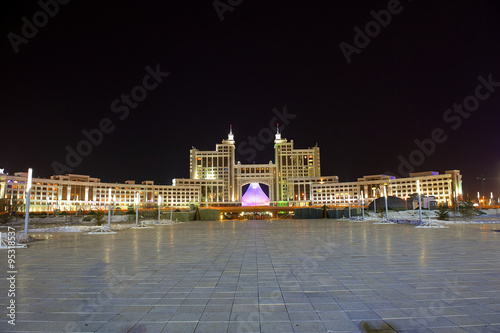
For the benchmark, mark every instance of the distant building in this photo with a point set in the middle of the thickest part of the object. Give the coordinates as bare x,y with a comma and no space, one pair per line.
216,179
74,192
444,188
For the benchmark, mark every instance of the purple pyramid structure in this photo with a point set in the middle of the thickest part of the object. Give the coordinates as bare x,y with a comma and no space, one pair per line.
254,196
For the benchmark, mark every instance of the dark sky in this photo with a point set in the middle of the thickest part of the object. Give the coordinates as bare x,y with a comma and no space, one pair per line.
365,115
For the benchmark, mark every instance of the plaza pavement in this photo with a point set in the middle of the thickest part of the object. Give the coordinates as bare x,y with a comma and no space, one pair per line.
260,276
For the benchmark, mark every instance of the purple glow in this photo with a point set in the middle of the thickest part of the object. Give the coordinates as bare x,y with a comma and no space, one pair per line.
254,196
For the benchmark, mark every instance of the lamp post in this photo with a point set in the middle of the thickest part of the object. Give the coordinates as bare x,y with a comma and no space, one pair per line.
28,197
109,208
349,203
159,207
419,201
137,209
386,208
362,206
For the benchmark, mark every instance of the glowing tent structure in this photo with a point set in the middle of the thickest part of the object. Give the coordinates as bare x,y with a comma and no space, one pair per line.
254,196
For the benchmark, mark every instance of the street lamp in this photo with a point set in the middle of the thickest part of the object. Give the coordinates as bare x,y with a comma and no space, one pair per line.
374,201
109,208
159,207
28,197
349,203
386,208
136,208
362,205
419,201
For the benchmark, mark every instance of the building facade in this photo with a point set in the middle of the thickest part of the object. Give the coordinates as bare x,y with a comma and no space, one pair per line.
79,192
216,179
445,188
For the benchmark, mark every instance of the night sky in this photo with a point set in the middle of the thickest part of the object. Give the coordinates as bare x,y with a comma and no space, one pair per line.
238,63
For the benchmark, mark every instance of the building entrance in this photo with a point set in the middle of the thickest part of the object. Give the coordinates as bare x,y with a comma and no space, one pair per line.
254,196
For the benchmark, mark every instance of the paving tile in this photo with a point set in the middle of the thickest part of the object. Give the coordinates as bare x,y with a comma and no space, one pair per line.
465,320
215,316
482,328
248,326
179,327
374,326
212,327
362,315
293,307
274,316
304,316
276,326
308,326
142,327
117,326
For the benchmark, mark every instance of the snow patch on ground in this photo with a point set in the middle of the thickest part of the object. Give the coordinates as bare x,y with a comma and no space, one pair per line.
412,217
61,229
163,222
83,228
20,237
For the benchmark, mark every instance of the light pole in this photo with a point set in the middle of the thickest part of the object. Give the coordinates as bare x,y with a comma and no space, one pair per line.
137,209
28,197
109,208
362,206
419,201
386,208
159,207
479,200
349,203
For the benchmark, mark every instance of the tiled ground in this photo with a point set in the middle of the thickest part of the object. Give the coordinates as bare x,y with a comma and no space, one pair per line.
261,276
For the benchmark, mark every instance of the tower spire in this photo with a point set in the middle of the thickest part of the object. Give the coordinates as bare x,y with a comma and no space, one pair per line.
278,134
230,137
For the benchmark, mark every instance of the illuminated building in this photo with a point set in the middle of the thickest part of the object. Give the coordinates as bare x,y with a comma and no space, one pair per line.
215,179
80,192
